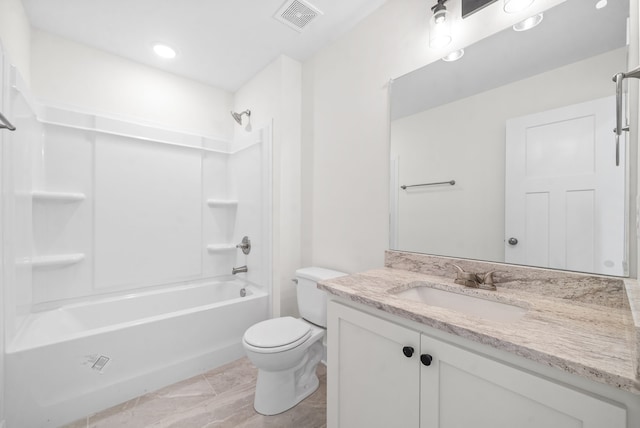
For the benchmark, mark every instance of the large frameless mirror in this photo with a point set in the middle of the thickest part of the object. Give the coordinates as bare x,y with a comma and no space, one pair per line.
508,154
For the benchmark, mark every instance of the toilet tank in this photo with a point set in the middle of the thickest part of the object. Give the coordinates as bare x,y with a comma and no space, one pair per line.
312,302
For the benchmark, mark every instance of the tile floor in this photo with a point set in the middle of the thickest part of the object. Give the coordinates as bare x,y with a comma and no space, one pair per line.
221,398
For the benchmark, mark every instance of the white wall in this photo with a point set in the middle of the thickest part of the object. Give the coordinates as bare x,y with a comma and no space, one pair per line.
633,152
73,75
346,137
474,155
2,282
275,94
15,242
15,35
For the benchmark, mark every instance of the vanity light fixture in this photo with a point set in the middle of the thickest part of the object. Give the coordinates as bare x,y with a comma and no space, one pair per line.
601,3
454,56
515,6
528,23
164,51
440,26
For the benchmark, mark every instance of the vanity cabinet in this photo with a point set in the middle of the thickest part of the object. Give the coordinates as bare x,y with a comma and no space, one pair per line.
377,384
385,374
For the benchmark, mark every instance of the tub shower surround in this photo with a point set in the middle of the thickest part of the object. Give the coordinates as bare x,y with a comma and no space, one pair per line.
119,206
105,219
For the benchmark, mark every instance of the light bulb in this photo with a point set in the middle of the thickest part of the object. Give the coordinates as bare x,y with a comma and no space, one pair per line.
454,56
440,41
164,51
440,16
440,29
528,23
600,4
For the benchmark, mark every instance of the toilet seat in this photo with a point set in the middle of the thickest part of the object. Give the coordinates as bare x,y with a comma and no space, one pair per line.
277,335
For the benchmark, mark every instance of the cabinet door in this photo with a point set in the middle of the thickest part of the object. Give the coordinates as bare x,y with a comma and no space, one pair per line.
371,383
464,389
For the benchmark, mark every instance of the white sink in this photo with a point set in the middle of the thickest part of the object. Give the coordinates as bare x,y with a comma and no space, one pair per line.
481,308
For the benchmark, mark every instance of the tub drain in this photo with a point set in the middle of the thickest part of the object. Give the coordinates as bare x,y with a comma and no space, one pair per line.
100,363
243,292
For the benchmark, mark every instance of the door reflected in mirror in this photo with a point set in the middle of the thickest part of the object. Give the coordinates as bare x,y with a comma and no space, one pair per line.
523,124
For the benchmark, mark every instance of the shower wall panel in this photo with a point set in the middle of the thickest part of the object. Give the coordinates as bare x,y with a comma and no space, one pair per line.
17,169
246,178
63,166
148,213
218,215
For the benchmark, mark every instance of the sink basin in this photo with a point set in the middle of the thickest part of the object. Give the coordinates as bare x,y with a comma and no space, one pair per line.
481,308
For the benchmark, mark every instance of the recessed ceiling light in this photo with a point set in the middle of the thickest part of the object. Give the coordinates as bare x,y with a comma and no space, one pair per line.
515,6
528,23
164,51
454,56
600,4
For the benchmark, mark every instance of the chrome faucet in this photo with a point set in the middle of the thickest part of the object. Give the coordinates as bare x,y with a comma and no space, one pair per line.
240,269
474,280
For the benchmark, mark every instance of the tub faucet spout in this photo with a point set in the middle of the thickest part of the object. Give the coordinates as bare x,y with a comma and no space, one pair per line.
240,269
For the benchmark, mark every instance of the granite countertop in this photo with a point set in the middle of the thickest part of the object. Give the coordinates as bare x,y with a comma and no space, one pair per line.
590,328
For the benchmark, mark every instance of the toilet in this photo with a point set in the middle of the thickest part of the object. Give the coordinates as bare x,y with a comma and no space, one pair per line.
287,350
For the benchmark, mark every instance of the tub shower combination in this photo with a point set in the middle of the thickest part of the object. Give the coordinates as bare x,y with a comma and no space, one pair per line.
123,238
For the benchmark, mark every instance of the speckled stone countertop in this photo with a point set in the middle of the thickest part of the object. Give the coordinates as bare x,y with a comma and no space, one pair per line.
583,324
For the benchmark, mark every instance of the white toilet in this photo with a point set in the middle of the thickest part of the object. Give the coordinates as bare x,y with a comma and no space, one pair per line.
287,350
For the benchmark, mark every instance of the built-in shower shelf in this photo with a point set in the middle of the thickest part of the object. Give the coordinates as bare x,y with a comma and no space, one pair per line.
222,202
62,197
58,260
217,248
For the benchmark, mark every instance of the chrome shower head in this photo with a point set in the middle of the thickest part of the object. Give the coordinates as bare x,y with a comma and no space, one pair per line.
238,118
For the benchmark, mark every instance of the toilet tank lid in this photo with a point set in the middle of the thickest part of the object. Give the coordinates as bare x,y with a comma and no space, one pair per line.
318,273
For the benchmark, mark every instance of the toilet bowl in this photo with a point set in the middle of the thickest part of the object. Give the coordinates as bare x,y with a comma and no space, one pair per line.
287,371
287,350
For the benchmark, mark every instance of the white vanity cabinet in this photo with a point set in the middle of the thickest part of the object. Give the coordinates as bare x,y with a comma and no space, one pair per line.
375,383
374,380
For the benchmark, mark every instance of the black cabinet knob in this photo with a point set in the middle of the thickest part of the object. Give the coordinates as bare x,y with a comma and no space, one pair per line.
407,351
426,359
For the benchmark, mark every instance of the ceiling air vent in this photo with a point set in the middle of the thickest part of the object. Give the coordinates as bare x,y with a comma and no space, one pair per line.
297,14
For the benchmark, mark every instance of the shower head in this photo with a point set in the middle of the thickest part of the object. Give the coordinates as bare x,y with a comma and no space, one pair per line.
238,116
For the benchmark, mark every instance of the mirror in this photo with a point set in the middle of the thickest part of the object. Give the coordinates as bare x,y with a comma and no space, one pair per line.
518,134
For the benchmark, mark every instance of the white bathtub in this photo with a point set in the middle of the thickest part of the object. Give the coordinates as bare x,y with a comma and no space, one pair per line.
82,358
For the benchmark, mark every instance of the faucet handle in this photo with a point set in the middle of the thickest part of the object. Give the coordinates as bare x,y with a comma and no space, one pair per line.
461,274
465,278
487,280
245,245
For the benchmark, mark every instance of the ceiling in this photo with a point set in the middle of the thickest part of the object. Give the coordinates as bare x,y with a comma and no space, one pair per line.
220,43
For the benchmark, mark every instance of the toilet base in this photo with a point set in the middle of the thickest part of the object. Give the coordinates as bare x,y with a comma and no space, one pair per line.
277,392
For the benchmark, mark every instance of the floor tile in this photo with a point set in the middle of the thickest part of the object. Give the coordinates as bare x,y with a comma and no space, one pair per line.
221,398
230,376
152,407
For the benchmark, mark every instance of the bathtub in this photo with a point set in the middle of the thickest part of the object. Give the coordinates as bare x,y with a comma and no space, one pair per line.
84,357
